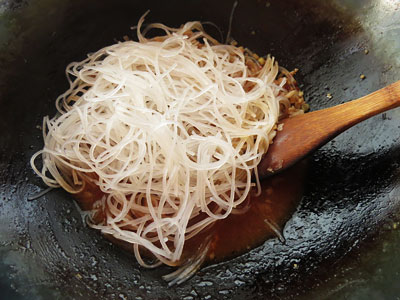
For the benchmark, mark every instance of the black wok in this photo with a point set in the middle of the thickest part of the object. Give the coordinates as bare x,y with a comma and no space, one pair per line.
343,240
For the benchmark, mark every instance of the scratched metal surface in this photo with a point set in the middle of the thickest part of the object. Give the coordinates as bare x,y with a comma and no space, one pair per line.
343,240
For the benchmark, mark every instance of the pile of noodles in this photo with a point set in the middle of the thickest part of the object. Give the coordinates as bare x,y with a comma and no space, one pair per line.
170,129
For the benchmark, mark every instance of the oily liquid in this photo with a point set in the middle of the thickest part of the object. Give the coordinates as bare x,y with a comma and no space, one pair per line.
238,233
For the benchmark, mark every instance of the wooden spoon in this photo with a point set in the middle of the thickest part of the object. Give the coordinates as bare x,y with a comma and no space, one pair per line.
305,133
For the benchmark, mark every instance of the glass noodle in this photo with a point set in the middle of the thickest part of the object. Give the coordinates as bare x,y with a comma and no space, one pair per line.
170,129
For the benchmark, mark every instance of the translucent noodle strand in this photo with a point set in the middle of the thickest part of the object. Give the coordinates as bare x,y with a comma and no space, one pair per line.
170,129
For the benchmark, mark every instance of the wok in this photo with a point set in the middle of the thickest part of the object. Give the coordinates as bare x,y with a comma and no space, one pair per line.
341,242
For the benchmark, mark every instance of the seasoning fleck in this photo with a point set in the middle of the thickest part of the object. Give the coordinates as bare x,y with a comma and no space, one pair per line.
305,107
366,51
329,95
362,76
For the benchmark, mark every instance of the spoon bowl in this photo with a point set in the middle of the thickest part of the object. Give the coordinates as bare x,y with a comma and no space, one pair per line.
302,134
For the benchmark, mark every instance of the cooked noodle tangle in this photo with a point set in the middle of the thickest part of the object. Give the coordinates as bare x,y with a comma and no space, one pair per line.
170,129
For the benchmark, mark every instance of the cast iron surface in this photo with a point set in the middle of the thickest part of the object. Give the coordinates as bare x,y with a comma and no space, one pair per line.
343,240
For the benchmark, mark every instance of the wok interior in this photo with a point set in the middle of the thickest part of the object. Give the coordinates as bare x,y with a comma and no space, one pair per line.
335,239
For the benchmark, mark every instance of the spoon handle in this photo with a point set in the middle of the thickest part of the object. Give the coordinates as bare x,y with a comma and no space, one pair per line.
304,133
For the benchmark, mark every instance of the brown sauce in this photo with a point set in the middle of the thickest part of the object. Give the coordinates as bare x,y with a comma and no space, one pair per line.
238,233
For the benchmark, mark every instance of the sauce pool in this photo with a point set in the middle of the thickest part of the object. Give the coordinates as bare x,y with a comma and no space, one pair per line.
238,233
